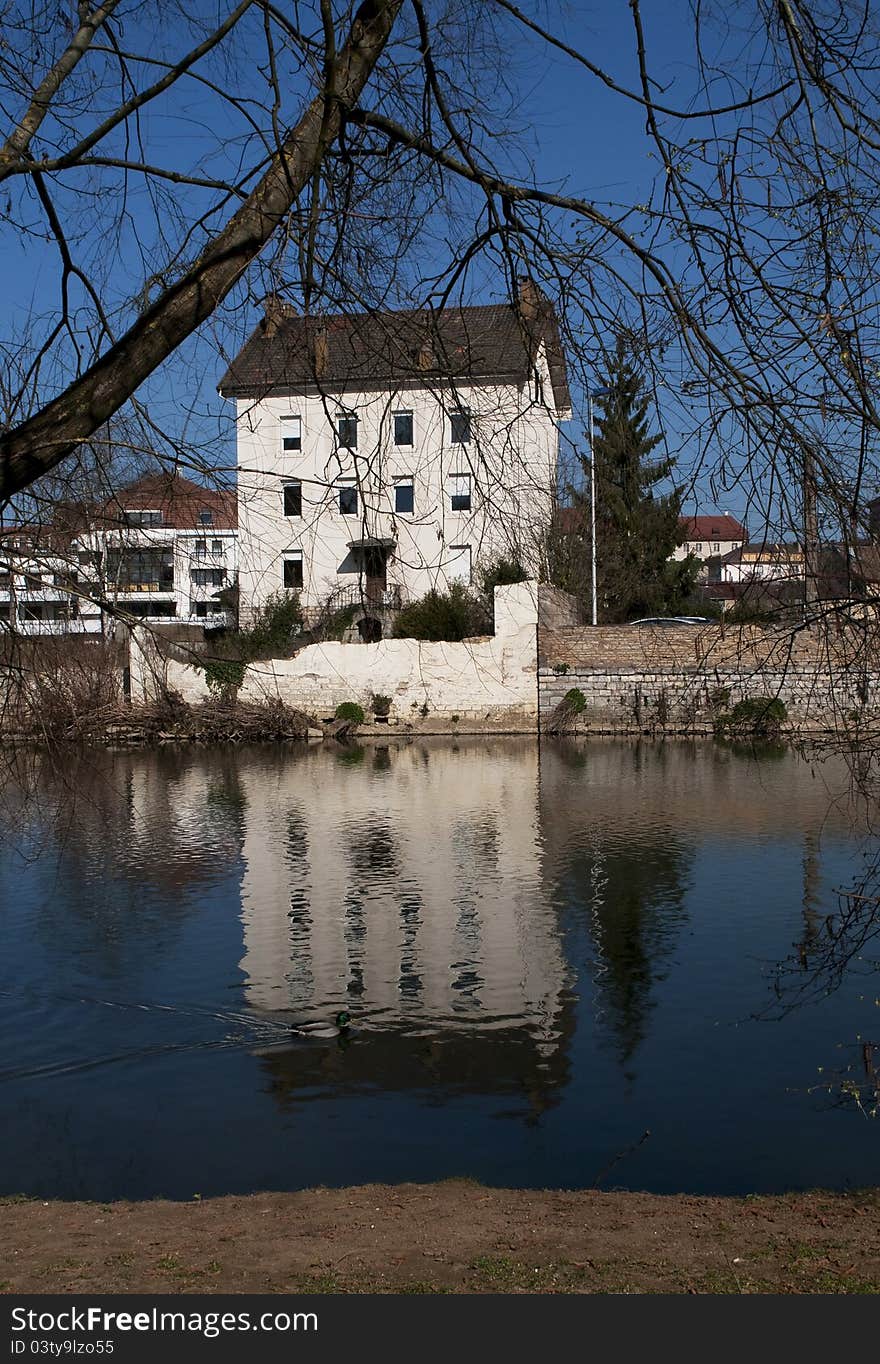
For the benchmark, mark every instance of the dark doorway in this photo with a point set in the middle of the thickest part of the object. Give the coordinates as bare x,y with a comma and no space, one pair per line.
370,630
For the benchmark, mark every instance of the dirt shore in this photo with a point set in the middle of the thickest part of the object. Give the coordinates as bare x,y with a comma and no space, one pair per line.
451,1237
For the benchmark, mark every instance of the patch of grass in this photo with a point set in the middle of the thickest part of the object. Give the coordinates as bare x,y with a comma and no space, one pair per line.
501,1274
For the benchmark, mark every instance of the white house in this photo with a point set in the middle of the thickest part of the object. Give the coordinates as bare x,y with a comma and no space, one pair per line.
706,537
162,549
762,562
383,454
41,586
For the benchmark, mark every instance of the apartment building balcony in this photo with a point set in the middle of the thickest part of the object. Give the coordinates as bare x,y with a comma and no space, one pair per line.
76,625
372,596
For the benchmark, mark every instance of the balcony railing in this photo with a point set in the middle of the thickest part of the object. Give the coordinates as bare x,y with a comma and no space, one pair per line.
371,598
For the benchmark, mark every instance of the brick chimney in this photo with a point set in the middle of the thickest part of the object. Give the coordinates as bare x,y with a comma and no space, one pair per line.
276,309
320,352
425,359
531,299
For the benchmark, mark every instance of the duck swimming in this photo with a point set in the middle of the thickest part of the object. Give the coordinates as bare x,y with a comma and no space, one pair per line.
338,1028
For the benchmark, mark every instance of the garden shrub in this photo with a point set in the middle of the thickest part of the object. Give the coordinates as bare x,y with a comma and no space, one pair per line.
380,705
503,573
755,717
443,616
351,711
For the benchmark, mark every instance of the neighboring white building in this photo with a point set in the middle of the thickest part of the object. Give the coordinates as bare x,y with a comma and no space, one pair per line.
161,549
381,455
707,537
760,563
41,587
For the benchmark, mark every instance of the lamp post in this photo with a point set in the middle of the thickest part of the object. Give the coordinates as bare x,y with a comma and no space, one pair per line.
593,393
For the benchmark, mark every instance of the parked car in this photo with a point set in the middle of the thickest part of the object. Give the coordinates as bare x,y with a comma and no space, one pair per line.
673,620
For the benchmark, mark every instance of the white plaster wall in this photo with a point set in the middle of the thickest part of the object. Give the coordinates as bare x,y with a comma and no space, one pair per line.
512,462
488,677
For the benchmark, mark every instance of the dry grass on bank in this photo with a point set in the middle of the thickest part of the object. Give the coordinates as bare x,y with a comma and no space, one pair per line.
452,1237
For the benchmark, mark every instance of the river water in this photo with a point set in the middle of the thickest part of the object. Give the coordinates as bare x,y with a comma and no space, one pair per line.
603,963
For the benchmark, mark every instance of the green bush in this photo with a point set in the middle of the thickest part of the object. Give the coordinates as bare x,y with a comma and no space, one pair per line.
273,626
224,676
380,705
351,711
574,701
443,616
756,717
503,573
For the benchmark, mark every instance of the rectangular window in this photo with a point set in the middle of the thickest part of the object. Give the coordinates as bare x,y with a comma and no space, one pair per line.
293,499
403,428
460,492
201,549
216,546
458,569
208,577
291,433
142,518
347,430
404,496
348,499
206,518
460,427
292,573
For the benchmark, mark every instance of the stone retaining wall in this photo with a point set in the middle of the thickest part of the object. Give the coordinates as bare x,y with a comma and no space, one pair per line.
637,678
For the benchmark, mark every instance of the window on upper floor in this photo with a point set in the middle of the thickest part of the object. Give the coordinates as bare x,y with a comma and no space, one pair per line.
347,430
458,567
292,572
348,499
459,492
142,518
291,433
201,549
216,546
404,496
460,427
403,428
206,517
293,499
207,577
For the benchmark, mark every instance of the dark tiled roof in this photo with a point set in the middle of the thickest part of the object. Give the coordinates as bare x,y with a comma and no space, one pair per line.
721,527
179,499
368,349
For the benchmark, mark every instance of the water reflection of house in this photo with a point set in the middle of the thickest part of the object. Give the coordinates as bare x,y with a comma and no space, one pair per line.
406,887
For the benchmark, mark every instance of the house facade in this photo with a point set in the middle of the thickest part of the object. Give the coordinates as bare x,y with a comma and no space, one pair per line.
759,563
383,455
162,549
42,586
708,537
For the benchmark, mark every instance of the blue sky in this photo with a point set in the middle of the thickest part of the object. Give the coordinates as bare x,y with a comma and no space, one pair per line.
581,142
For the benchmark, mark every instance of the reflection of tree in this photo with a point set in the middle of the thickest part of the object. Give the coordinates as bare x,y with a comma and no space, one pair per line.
633,896
127,838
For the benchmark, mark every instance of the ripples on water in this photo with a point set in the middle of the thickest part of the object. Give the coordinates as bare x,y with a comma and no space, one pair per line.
545,956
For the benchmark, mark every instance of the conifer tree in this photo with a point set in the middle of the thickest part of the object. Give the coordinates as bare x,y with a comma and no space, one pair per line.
637,527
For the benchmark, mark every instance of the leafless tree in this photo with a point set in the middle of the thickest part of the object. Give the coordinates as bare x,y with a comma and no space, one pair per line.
334,148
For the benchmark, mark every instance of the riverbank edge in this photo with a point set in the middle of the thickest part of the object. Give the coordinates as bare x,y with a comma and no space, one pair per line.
212,725
457,1236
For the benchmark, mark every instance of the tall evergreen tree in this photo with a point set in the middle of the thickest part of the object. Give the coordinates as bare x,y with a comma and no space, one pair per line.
637,528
